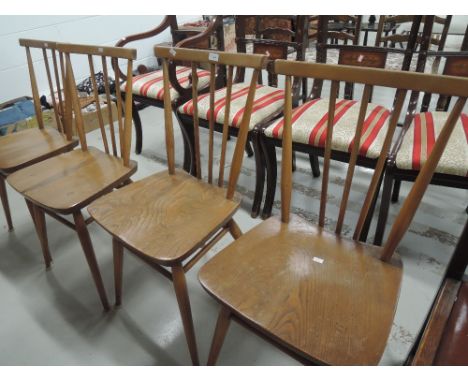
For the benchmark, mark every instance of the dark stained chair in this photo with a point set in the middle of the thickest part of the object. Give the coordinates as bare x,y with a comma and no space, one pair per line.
67,183
321,297
30,146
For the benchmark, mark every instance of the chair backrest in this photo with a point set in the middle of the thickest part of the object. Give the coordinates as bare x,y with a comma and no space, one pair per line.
255,62
402,82
53,64
100,55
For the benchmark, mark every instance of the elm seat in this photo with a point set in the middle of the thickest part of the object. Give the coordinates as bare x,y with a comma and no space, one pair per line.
290,279
30,146
80,176
268,101
420,138
151,84
150,216
309,124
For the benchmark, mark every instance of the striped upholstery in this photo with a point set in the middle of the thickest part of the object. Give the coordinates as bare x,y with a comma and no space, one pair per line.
309,126
420,138
151,84
268,101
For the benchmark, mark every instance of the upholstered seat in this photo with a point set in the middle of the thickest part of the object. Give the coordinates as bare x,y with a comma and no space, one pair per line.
309,126
151,84
420,138
268,101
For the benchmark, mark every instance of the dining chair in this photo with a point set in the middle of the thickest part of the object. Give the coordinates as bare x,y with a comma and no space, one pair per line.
320,296
172,219
30,146
443,340
67,183
147,87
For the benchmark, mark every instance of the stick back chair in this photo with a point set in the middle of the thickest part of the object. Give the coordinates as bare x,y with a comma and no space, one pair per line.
320,296
269,99
67,183
172,219
416,141
443,341
30,146
147,86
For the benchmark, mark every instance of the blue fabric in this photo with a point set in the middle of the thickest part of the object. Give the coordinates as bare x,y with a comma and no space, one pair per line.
17,112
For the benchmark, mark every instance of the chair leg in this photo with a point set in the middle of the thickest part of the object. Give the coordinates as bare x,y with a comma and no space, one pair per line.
384,207
234,229
138,129
314,165
271,164
222,326
88,250
248,149
396,190
293,161
38,216
188,139
259,174
6,205
118,269
180,286
370,215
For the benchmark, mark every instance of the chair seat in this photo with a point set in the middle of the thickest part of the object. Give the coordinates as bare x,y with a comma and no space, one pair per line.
420,138
30,146
151,84
268,101
164,217
453,348
330,299
70,181
309,126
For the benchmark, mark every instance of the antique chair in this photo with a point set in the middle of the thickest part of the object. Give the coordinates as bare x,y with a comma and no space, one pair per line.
147,87
67,183
268,103
416,141
30,146
320,296
444,338
172,219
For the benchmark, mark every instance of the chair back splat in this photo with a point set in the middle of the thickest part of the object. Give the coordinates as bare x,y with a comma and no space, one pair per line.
256,62
120,148
402,82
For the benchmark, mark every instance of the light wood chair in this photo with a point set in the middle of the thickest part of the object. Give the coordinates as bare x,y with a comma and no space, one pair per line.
172,219
319,296
30,146
67,183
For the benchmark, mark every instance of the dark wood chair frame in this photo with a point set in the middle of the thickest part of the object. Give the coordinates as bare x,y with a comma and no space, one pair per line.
456,65
277,49
181,37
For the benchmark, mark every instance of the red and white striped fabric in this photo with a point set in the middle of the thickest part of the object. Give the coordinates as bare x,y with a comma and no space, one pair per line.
151,84
309,126
419,141
267,102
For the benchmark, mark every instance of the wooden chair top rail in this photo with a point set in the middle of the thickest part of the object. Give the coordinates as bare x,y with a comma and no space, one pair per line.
423,82
254,61
95,50
42,44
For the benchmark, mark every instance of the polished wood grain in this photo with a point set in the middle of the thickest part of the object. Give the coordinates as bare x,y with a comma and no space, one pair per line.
72,180
165,217
337,312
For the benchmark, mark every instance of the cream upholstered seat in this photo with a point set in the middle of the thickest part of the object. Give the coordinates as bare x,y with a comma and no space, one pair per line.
151,84
268,101
420,138
309,126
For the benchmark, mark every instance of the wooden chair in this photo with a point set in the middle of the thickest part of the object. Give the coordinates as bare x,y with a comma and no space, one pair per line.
415,143
319,296
147,87
67,183
30,146
268,103
172,219
444,338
